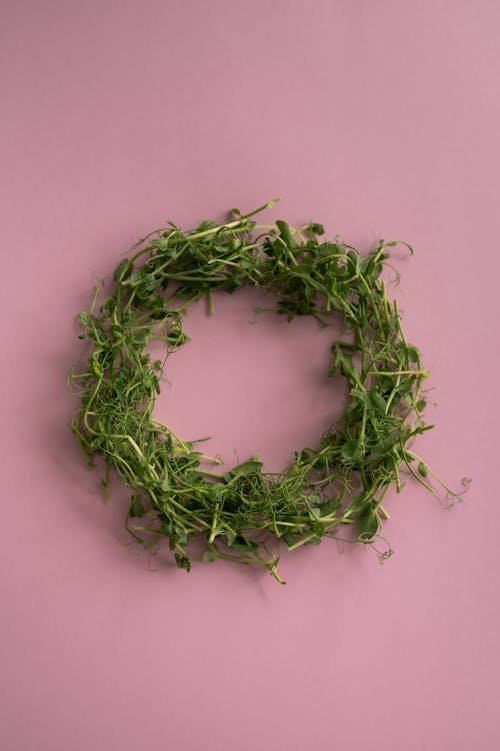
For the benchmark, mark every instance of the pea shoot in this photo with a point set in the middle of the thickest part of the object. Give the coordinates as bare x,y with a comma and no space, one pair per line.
246,514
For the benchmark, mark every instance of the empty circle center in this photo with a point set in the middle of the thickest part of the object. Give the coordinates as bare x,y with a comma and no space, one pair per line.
251,381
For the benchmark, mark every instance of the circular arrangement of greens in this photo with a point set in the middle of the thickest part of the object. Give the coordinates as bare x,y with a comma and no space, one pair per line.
244,513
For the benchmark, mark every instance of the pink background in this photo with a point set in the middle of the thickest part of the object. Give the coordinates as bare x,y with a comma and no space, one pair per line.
377,118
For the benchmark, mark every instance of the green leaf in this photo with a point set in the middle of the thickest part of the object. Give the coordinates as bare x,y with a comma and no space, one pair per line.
192,477
329,507
367,522
351,410
316,228
97,368
288,537
413,354
406,385
356,503
242,544
206,224
361,396
352,449
286,234
375,402
346,365
422,469
355,261
250,467
183,561
151,282
134,279
136,508
409,352
123,270
158,315
317,528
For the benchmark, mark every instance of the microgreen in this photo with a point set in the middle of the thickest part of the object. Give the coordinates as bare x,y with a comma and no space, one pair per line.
244,514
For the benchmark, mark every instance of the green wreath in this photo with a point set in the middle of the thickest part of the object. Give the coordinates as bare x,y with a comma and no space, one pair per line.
244,513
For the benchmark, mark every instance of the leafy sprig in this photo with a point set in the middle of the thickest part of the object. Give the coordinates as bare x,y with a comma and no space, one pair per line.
244,513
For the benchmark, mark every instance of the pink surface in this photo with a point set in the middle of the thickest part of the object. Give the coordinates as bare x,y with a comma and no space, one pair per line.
379,119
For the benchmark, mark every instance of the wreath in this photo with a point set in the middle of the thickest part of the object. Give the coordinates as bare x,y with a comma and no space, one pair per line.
244,513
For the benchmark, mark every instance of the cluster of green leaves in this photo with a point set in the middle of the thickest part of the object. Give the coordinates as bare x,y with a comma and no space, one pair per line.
240,514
